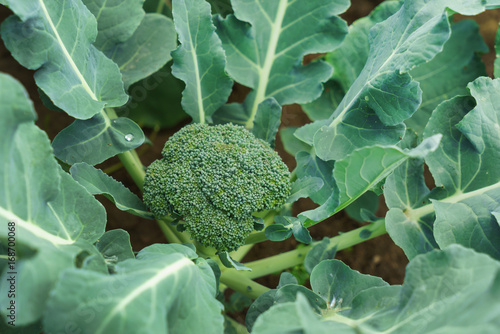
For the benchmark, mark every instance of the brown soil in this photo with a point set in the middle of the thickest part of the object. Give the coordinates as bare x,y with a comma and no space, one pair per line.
380,257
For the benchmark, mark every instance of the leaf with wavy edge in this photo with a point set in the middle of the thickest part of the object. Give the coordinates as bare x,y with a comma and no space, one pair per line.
177,294
465,171
97,139
52,213
267,54
361,171
200,60
139,43
384,94
97,182
437,286
59,34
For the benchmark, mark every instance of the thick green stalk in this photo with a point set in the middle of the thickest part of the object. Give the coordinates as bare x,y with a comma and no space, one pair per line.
244,285
168,232
280,262
239,328
134,167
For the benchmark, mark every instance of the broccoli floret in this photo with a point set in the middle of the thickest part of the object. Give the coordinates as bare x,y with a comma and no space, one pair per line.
215,177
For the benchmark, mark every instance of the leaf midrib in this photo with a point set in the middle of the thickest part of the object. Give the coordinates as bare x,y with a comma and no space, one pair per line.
66,53
265,70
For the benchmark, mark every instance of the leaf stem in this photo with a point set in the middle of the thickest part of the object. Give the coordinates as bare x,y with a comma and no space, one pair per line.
294,257
168,232
239,328
244,285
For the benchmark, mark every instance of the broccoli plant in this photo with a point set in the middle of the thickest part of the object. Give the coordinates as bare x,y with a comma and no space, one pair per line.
215,177
402,109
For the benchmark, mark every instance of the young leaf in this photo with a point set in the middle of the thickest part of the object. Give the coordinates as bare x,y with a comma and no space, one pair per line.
267,121
97,139
335,282
96,182
305,187
384,94
267,54
309,164
76,76
53,215
285,227
320,252
170,285
229,262
199,61
114,245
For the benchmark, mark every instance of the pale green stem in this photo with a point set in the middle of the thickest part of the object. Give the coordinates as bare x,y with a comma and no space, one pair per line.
268,217
240,329
244,285
168,232
280,262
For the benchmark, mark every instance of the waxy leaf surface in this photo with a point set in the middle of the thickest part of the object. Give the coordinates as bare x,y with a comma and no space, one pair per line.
76,76
54,216
199,61
265,42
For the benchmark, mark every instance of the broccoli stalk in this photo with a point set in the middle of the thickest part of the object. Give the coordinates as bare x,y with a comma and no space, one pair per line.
215,177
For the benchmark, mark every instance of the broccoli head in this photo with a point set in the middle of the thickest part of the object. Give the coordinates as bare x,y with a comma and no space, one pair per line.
215,177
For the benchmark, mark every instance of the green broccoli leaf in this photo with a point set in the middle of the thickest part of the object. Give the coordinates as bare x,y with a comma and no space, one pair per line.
267,121
117,20
448,74
351,56
140,44
97,139
285,227
52,214
170,284
309,164
199,61
97,182
405,189
292,144
320,252
438,286
114,245
305,187
265,42
362,171
384,94
156,100
365,168
365,206
71,71
470,177
146,51
465,171
229,262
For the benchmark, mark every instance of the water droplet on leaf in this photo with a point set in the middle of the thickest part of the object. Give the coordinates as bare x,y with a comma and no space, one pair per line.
129,137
